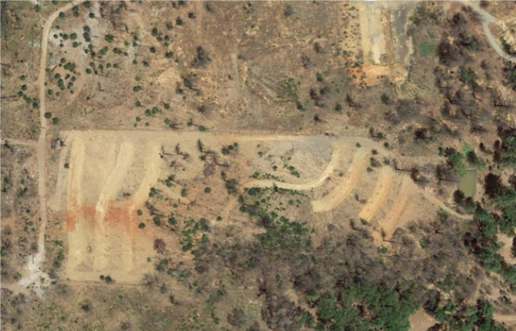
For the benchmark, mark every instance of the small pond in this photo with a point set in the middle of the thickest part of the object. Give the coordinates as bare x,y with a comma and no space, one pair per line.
468,183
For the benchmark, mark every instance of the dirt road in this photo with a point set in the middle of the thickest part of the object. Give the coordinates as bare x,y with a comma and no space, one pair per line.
328,171
487,19
444,207
35,277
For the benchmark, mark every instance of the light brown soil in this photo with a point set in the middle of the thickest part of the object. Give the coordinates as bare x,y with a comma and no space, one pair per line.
508,320
395,216
111,174
380,194
109,178
421,321
348,184
506,251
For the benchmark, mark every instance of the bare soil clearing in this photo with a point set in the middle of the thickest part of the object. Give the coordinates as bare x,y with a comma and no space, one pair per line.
35,277
380,194
395,216
112,174
110,177
421,321
384,43
171,160
348,184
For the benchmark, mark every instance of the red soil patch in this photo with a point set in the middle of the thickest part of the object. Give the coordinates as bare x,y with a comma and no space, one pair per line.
86,212
122,215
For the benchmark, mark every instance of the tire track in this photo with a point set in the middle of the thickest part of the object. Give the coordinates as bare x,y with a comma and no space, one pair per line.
56,201
20,142
78,238
328,171
111,187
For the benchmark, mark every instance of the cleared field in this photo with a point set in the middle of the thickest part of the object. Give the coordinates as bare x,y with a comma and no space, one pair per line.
385,47
111,174
380,194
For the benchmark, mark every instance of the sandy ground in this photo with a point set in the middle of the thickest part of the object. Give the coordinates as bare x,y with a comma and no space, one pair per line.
372,32
508,320
506,250
348,184
384,43
395,215
380,194
100,226
34,276
306,185
111,174
421,321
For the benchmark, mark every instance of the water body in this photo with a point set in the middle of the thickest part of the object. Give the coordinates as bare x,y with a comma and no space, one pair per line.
468,183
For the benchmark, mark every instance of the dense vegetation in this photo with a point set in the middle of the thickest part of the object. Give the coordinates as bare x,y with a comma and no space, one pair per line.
464,317
365,307
485,246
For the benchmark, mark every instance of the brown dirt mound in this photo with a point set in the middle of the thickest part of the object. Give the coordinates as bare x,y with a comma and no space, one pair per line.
348,184
383,188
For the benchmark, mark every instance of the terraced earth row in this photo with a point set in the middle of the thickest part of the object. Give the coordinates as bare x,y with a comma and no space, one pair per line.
106,177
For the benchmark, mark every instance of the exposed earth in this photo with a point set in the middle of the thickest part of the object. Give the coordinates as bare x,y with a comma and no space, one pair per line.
258,165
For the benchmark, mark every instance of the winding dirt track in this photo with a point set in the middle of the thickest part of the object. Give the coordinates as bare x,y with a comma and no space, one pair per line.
112,172
444,207
35,277
487,19
328,171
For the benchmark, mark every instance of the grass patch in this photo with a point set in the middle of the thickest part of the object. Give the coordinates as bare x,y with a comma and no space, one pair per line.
427,48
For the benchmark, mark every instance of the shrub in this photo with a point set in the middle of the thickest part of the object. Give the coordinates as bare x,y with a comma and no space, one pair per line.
427,48
485,246
365,307
284,234
463,317
109,38
201,58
